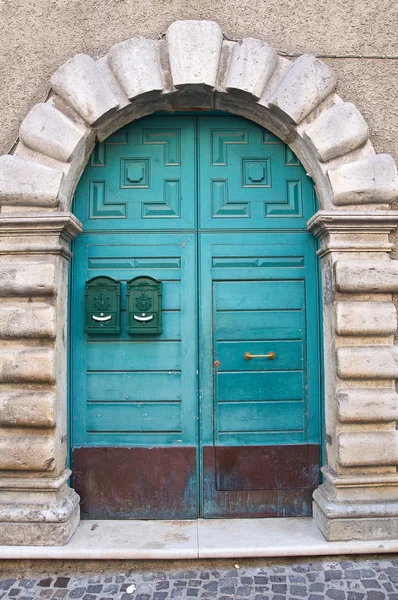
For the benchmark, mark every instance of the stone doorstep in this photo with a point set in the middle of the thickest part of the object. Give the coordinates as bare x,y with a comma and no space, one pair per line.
202,538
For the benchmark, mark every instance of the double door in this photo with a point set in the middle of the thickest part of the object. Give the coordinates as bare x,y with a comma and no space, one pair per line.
217,415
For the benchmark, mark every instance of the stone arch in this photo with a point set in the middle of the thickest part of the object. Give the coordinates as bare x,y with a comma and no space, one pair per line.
193,66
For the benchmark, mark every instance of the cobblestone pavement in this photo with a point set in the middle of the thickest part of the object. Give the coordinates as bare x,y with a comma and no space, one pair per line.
351,579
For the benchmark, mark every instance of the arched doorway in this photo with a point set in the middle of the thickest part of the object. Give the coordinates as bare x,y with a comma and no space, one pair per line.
216,412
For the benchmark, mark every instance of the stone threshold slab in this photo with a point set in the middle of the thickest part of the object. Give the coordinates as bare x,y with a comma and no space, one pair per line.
202,538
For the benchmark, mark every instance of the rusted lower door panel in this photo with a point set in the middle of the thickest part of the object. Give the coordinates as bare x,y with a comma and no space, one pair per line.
260,481
136,483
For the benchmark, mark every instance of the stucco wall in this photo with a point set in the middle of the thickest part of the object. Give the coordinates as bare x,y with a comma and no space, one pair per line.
37,37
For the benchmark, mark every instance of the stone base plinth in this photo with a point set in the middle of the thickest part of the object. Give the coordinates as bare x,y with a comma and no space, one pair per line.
344,521
37,511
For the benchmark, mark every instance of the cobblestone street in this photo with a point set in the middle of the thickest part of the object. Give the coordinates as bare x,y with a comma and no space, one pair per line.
345,579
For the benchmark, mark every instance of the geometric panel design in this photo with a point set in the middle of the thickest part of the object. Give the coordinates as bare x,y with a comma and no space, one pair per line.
291,159
98,156
134,173
220,141
98,206
170,207
294,202
171,138
221,206
256,173
270,138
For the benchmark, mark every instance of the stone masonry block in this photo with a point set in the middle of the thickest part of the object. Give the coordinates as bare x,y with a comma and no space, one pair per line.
367,405
26,183
27,365
358,276
367,362
368,448
371,180
80,84
27,320
252,64
366,318
27,409
47,130
135,64
27,453
26,279
194,52
337,131
305,85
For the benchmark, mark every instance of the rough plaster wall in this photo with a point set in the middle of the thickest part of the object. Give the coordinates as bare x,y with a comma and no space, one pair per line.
36,37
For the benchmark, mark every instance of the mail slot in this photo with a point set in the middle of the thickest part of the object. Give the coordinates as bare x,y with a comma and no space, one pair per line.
102,306
144,306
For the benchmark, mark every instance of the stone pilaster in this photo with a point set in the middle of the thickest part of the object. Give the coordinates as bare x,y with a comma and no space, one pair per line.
36,505
359,498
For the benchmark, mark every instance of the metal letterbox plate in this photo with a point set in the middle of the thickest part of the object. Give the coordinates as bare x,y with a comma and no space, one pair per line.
102,306
144,306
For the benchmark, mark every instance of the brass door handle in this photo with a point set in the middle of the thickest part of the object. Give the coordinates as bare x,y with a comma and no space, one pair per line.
270,355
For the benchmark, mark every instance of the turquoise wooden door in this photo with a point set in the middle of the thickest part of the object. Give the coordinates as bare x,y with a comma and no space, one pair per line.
196,421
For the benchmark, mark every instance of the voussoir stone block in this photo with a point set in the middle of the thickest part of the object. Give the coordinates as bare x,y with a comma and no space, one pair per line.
25,183
33,320
27,453
366,276
252,65
337,131
368,448
27,409
27,279
135,64
303,87
366,318
31,365
367,362
367,405
79,82
47,130
371,180
194,52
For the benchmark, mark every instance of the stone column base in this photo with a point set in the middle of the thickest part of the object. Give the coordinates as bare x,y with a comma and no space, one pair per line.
37,512
354,520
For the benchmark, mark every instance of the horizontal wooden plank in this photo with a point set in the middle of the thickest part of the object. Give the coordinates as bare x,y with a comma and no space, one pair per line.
133,417
236,417
134,355
134,386
170,331
259,295
269,273
288,355
259,325
276,385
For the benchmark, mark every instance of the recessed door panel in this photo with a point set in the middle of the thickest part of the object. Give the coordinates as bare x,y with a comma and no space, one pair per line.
261,392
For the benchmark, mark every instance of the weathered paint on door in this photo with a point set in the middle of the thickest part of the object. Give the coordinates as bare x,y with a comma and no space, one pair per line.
181,424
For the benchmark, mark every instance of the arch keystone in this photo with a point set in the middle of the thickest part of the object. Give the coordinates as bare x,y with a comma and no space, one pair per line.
371,180
194,52
25,183
79,82
252,65
47,130
303,87
337,131
135,64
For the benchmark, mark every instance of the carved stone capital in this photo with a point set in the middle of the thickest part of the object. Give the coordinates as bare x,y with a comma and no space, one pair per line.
343,231
38,233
